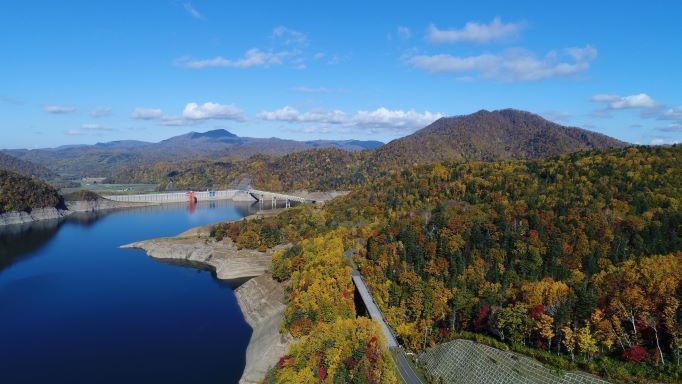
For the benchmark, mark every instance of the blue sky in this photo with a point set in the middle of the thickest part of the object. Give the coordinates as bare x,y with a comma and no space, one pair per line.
75,72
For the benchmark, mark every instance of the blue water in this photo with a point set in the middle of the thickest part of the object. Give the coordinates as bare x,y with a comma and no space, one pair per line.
74,308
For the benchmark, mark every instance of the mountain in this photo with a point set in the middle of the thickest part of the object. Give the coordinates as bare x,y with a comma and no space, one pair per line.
106,159
487,136
23,167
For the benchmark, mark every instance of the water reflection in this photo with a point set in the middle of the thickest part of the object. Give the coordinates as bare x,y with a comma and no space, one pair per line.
26,238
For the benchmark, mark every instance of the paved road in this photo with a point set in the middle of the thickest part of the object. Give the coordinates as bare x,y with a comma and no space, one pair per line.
404,368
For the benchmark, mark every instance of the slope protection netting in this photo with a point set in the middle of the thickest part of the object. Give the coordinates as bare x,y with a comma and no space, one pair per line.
468,362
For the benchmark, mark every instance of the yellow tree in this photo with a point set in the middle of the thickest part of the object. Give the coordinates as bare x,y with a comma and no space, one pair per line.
586,342
569,340
544,325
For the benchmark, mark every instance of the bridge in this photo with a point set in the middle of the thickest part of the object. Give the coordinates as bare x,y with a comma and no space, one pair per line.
405,370
230,194
262,196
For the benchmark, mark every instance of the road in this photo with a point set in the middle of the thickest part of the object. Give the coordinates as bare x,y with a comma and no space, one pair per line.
405,370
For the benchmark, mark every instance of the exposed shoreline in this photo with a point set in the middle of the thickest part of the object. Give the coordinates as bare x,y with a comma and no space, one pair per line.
72,207
261,299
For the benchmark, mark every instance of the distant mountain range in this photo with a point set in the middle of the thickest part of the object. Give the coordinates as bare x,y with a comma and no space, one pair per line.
105,159
482,136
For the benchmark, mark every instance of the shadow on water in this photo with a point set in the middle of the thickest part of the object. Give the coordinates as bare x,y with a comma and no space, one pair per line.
21,239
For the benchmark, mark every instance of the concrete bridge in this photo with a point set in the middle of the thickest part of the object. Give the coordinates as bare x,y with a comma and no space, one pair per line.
273,197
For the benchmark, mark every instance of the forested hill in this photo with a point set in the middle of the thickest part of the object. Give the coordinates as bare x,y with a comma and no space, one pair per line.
23,167
21,193
577,257
314,169
486,136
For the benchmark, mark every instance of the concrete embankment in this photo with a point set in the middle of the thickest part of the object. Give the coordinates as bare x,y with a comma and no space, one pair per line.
261,299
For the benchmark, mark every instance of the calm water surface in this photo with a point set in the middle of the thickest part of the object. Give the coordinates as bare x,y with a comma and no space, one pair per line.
74,308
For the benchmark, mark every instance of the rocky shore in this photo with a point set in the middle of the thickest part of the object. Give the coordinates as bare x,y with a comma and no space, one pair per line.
261,299
39,214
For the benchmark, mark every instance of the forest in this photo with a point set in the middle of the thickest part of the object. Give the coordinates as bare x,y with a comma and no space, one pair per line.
579,256
22,193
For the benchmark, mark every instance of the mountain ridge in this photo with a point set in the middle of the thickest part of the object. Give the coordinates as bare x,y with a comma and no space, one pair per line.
506,134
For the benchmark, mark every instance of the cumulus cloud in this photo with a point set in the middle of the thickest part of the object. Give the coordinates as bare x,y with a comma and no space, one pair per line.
511,65
146,114
59,109
210,110
252,58
379,118
638,101
100,112
475,33
192,11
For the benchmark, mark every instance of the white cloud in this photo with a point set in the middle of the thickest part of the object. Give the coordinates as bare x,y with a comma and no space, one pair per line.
379,118
252,58
192,11
511,65
657,142
146,114
475,33
674,113
289,36
209,110
72,132
100,112
59,109
404,33
638,101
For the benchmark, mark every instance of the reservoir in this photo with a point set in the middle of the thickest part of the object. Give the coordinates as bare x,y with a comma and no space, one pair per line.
74,308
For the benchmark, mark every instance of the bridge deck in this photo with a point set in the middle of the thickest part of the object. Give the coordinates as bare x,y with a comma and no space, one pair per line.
374,311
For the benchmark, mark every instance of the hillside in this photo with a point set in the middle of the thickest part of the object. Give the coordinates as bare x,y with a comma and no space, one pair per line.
23,167
486,136
576,259
312,169
21,193
107,159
